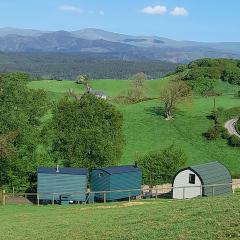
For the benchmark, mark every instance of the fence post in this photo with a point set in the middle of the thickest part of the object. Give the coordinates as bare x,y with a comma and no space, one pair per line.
53,199
129,196
38,199
213,193
3,197
105,199
156,194
93,198
183,192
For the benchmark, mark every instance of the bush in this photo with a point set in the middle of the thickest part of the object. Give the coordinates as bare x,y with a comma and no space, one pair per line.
213,133
225,134
181,68
160,166
232,75
222,115
234,141
202,86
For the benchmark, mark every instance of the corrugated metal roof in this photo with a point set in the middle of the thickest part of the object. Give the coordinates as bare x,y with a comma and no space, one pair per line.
120,169
71,171
212,173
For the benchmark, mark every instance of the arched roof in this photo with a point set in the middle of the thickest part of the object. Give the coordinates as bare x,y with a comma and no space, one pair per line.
212,173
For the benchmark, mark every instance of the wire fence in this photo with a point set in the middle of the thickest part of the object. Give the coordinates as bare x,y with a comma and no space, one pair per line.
146,192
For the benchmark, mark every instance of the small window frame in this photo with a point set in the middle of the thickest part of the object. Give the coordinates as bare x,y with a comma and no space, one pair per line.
192,178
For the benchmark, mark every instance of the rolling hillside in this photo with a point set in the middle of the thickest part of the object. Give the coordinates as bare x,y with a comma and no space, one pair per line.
146,129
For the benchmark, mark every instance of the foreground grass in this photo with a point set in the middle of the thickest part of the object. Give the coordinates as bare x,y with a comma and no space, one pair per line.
145,128
208,218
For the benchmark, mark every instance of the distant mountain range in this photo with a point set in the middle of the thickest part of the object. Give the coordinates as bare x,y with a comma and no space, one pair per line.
96,43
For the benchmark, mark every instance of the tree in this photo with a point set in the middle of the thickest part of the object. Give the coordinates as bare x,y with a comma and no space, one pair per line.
202,86
181,68
137,88
86,133
174,93
232,75
6,144
21,110
82,79
160,166
7,150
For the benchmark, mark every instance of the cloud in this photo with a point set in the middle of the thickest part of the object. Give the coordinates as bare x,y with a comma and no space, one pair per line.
70,8
101,13
155,10
179,11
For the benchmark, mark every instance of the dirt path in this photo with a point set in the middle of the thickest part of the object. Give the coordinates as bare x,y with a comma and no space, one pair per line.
231,127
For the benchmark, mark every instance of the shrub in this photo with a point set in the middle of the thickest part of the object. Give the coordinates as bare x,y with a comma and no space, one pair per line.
234,141
160,166
202,86
213,133
181,68
225,134
222,115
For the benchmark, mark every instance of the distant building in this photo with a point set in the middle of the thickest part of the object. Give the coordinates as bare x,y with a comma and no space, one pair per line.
70,182
98,94
116,179
208,179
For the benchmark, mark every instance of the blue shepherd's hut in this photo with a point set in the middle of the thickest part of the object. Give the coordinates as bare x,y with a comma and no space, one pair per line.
69,184
120,179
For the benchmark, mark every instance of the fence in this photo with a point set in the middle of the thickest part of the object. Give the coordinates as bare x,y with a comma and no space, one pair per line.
165,191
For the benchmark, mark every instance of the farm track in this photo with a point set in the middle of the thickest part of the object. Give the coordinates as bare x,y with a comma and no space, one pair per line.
231,127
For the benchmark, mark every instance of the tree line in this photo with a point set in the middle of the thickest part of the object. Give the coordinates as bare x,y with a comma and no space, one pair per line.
60,66
203,75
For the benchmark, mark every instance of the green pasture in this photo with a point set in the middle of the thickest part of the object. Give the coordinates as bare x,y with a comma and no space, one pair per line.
207,218
146,129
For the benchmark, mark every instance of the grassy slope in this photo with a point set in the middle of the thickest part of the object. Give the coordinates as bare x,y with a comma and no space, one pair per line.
145,128
188,219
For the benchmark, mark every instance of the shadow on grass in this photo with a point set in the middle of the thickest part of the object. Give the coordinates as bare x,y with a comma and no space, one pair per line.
210,117
155,111
159,112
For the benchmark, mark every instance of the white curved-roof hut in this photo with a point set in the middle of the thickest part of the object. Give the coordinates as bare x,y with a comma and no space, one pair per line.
202,180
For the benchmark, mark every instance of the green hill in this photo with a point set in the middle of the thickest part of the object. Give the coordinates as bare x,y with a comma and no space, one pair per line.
146,129
208,218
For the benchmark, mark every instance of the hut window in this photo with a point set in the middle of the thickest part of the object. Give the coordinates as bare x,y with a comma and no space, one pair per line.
100,174
192,178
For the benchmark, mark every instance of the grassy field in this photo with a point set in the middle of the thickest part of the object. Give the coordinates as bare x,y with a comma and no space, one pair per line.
208,218
112,88
146,129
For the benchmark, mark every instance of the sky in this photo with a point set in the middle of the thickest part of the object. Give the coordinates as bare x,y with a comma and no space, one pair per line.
198,20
